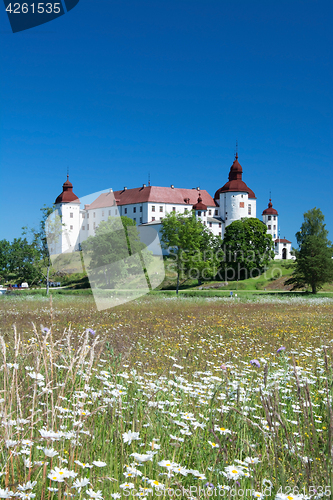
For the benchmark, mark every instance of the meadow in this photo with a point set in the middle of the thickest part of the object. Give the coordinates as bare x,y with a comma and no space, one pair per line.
166,397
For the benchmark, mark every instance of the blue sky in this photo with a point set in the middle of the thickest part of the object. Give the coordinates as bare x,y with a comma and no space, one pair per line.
114,90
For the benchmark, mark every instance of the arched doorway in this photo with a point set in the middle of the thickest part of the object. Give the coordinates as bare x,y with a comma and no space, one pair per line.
284,253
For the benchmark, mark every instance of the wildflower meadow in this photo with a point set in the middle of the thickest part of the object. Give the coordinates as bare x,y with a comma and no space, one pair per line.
166,397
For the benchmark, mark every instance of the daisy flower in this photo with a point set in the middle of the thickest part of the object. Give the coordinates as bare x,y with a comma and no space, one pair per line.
130,436
213,445
93,494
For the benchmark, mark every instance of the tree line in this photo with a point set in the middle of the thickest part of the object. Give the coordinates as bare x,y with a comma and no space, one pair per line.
194,252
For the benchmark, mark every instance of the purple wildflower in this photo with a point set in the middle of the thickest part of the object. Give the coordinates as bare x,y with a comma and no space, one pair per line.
282,348
223,367
209,485
90,330
45,330
255,362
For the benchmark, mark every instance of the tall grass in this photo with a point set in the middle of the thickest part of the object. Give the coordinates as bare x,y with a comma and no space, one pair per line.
178,374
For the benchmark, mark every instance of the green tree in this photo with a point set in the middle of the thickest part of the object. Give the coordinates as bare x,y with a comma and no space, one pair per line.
247,249
191,246
4,259
24,261
114,241
46,235
314,264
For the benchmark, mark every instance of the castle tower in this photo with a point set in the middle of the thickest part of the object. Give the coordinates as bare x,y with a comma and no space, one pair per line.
270,218
67,205
200,210
235,199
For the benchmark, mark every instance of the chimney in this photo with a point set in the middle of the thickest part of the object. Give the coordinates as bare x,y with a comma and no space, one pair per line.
198,189
125,188
110,190
172,186
144,185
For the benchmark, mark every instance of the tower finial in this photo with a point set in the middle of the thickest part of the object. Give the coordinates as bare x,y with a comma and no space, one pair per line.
148,178
67,173
236,156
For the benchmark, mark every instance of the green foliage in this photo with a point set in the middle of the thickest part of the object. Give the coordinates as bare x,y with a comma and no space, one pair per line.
115,240
191,246
314,264
247,248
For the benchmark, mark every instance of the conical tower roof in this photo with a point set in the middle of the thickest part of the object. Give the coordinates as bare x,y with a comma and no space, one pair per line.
67,195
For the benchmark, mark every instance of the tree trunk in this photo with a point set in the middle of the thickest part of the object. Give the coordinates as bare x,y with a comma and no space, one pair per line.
177,283
47,279
314,288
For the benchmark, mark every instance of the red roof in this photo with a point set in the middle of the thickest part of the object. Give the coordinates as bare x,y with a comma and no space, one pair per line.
152,194
67,195
200,205
282,240
235,182
270,210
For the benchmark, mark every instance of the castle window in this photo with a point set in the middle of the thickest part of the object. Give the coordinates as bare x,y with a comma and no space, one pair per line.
103,213
209,212
83,227
109,212
274,217
199,213
140,209
220,234
269,227
249,209
83,216
88,215
71,228
204,222
94,214
275,237
173,209
134,210
153,208
269,217
241,203
94,225
88,227
161,209
153,218
125,210
71,215
134,219
274,227
116,211
220,224
241,196
140,220
210,224
216,212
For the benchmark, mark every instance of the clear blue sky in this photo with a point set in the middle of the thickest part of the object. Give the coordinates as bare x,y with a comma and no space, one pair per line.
116,89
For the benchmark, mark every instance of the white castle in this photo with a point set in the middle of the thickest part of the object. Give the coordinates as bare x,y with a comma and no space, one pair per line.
147,205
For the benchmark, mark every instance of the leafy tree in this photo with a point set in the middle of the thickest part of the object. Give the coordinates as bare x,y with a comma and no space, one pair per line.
191,245
247,249
24,261
47,234
115,240
4,259
314,264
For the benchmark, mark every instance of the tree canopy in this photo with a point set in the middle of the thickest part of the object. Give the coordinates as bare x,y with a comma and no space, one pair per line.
314,264
247,249
109,249
193,248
